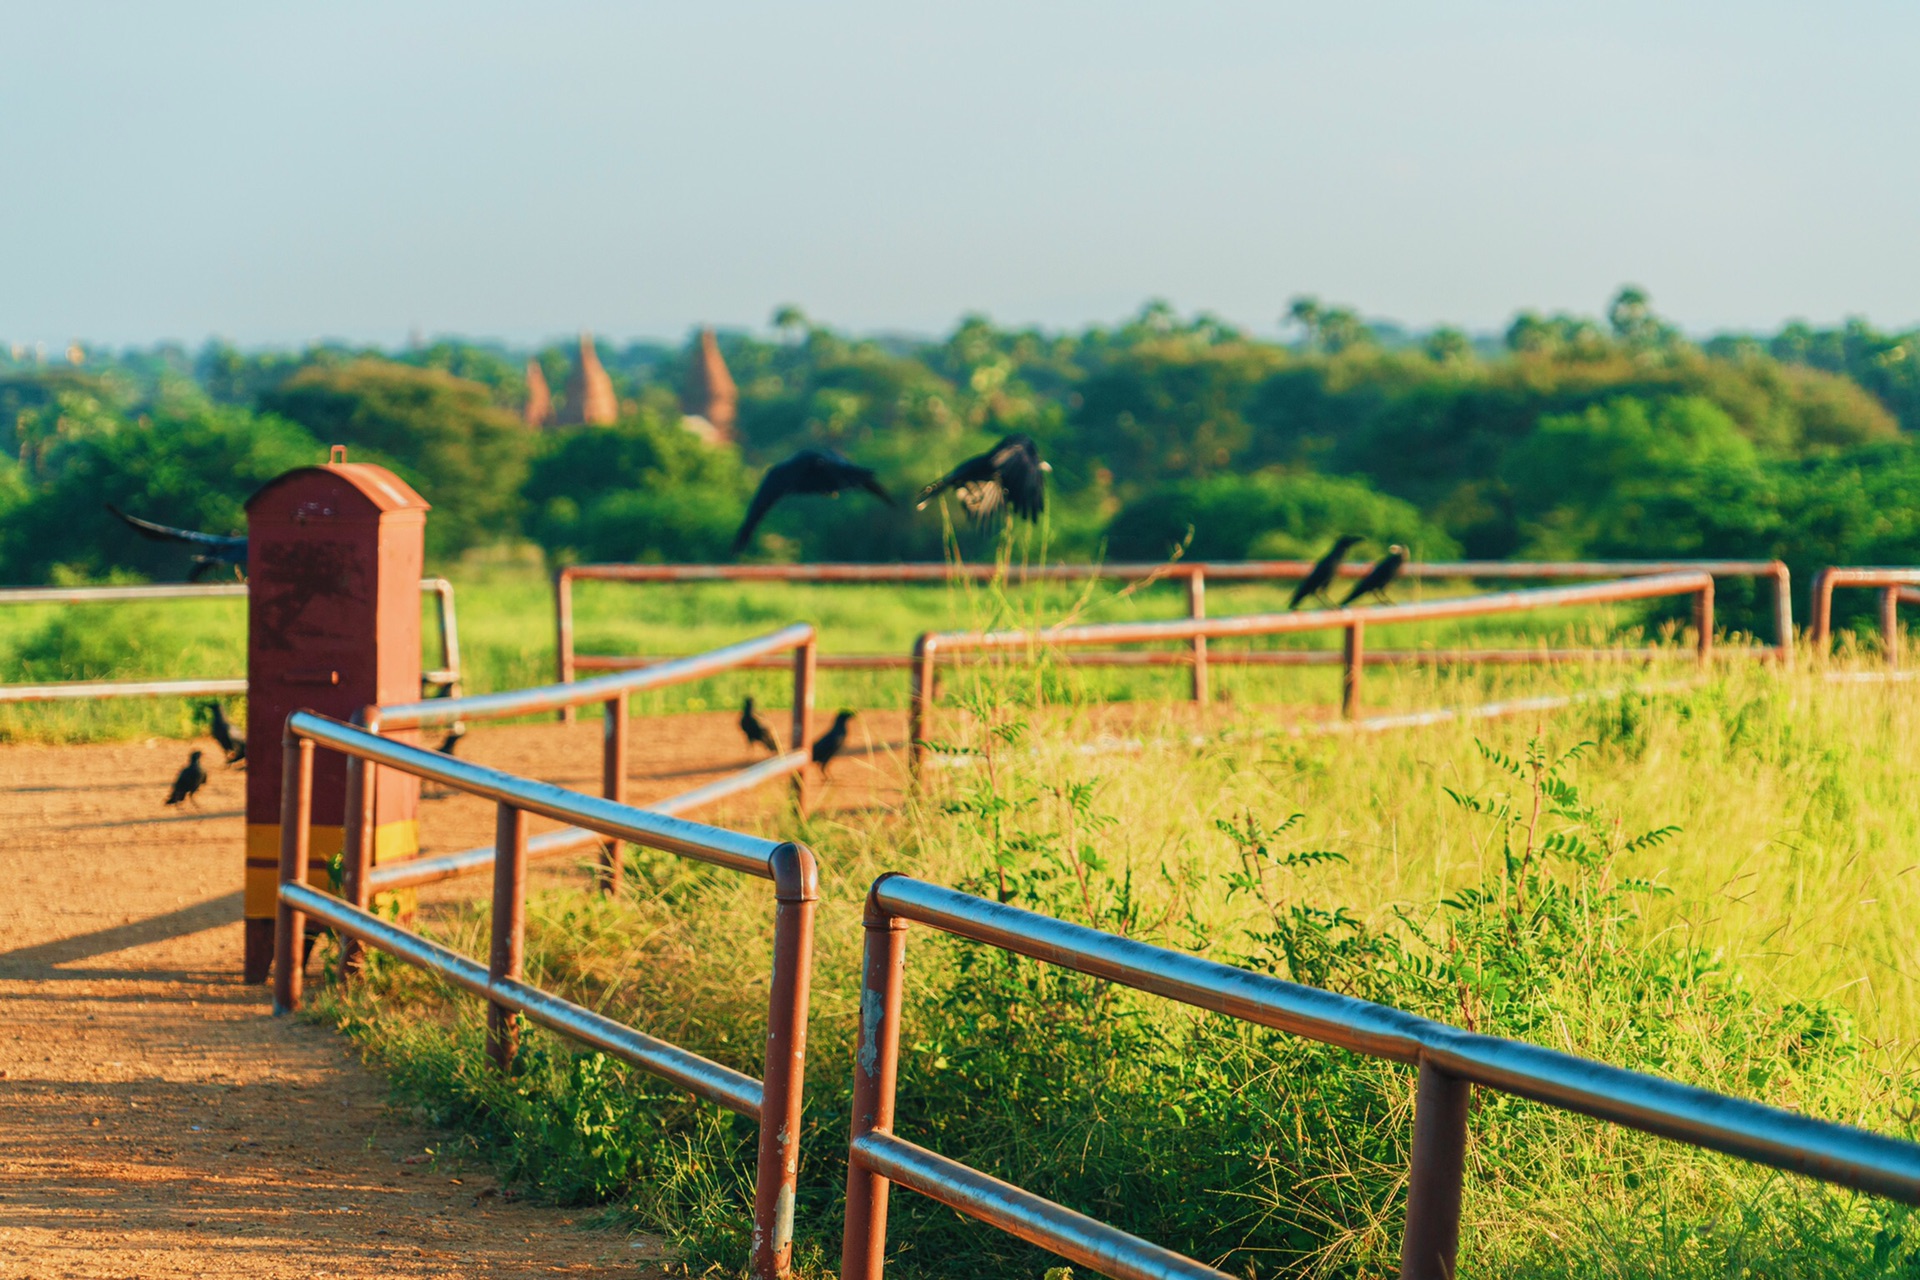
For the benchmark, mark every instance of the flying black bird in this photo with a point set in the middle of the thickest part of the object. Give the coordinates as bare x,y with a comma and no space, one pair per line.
1011,472
218,551
190,779
1321,575
808,471
452,740
1380,577
757,732
234,748
831,741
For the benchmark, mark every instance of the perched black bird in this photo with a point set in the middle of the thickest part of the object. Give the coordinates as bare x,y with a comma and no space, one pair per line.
831,741
757,732
1380,577
189,780
808,471
218,551
1321,575
452,740
234,748
1011,472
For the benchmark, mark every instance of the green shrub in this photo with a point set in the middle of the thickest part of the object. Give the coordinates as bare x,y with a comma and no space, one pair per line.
1271,515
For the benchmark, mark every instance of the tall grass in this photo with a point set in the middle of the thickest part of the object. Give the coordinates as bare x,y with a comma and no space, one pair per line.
1719,890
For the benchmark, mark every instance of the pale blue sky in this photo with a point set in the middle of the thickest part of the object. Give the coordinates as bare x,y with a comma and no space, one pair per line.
277,173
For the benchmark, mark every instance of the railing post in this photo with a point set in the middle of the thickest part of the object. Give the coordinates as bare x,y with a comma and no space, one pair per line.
1890,624
296,833
563,634
449,635
1820,625
1432,1237
1353,666
919,703
357,837
876,1071
1703,622
806,660
613,782
508,944
1197,609
797,891
1783,611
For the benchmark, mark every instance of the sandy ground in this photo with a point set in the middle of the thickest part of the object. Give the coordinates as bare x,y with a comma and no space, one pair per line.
157,1121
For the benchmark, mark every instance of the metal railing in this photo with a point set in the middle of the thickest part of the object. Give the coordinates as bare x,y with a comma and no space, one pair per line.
446,676
1195,574
614,692
1353,622
775,1102
1450,1061
1895,586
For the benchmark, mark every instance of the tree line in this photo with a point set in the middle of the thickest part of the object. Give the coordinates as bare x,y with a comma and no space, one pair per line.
1570,436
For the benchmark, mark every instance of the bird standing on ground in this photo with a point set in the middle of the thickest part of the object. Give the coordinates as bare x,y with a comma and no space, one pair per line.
1320,577
808,471
1011,473
1380,577
234,748
189,780
758,735
217,551
831,741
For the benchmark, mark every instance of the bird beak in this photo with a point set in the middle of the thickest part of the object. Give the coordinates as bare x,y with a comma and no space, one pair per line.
1045,465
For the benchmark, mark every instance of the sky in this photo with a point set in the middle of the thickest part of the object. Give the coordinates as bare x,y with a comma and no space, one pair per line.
277,174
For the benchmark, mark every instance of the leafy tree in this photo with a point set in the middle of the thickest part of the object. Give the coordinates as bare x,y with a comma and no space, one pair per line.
442,434
641,489
194,469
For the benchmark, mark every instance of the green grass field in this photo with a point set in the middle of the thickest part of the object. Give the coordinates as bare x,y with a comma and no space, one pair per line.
507,641
1761,940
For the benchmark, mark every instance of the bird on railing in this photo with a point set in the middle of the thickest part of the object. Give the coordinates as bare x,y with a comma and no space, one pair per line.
1380,577
234,748
1320,577
758,735
1012,474
218,551
831,741
808,471
189,780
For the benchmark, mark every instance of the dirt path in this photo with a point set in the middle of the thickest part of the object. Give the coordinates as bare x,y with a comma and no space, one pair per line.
157,1121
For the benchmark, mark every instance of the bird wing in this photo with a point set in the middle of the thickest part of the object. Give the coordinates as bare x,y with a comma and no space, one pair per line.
1021,479
167,533
1376,578
1316,580
775,485
864,477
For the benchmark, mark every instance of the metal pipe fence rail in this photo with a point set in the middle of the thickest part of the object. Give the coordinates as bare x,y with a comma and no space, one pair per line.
1449,1062
774,1102
1896,587
1195,574
614,692
446,676
1353,622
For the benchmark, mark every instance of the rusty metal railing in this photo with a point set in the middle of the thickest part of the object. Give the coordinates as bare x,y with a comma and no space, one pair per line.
446,676
775,1102
614,692
1895,585
1195,574
1449,1060
933,645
